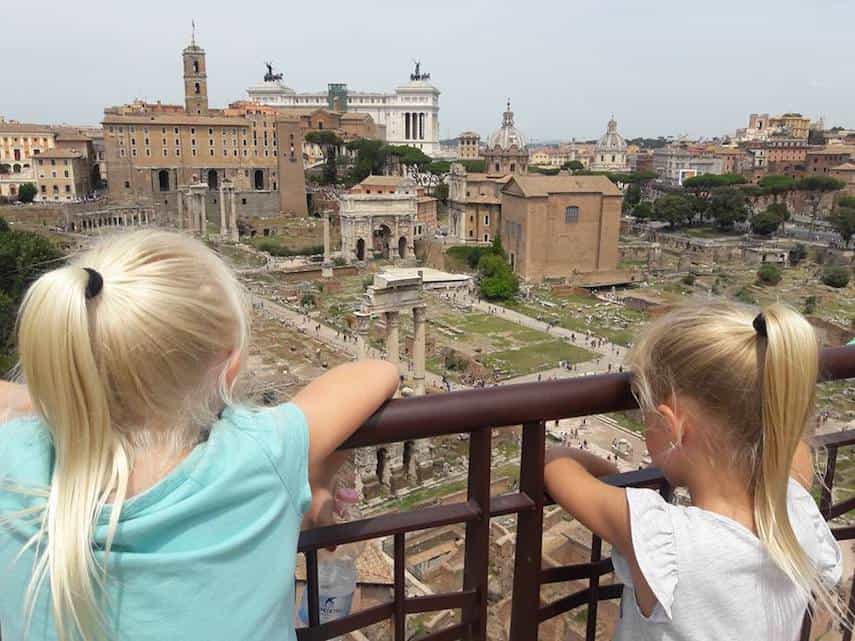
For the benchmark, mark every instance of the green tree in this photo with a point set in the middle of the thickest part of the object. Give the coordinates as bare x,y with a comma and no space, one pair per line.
727,206
815,187
27,192
330,143
674,209
810,305
497,280
835,276
765,223
702,186
846,201
23,257
643,210
769,274
797,253
371,157
573,166
776,185
632,197
842,220
497,248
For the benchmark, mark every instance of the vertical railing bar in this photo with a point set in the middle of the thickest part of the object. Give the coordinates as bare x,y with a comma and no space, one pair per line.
593,588
312,587
525,603
400,588
807,623
477,551
828,482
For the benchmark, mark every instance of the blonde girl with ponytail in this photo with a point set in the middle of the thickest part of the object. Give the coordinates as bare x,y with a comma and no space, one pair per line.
727,396
141,500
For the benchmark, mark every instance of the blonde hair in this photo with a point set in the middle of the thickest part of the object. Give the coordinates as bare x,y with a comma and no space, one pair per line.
759,389
142,362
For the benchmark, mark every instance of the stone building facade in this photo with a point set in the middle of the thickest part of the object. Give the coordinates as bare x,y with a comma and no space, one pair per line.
64,174
19,144
379,220
474,205
469,146
507,148
155,153
610,152
407,116
559,227
426,206
673,164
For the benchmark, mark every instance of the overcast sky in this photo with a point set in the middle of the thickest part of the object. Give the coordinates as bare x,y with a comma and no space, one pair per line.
663,68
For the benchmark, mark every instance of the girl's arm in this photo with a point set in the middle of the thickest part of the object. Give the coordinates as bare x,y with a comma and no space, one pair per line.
571,479
14,401
339,402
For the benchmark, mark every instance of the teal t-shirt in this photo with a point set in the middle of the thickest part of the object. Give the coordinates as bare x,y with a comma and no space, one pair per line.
206,554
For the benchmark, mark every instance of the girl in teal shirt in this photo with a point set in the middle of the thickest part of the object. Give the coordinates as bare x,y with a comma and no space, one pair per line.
138,500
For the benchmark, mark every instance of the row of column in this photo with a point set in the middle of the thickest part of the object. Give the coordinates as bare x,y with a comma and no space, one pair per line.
393,323
196,205
414,125
115,220
228,224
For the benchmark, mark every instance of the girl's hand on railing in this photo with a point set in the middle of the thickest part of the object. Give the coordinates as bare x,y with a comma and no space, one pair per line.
14,401
321,511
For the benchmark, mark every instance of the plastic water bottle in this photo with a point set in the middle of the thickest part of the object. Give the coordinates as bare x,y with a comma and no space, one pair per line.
336,570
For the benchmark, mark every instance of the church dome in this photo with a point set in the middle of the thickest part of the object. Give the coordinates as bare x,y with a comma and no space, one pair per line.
507,135
612,140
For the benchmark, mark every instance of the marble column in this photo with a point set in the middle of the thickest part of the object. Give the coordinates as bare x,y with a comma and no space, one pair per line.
233,227
419,322
203,215
180,199
362,323
224,228
393,323
327,266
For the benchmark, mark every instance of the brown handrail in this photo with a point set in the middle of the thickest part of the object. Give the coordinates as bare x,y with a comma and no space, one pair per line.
474,409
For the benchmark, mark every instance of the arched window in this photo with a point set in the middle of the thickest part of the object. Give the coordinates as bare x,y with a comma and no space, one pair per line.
196,88
163,180
571,214
213,179
195,66
258,179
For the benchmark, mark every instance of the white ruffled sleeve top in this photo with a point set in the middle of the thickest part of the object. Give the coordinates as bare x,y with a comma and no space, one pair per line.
712,577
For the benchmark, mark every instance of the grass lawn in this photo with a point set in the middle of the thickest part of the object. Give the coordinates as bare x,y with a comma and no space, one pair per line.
626,421
536,357
240,258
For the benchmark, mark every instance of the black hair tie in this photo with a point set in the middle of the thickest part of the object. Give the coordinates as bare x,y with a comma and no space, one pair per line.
95,283
760,325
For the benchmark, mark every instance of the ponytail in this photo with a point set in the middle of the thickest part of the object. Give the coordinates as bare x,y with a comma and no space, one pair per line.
788,360
60,367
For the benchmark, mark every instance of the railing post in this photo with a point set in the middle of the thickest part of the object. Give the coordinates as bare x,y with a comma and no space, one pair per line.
525,610
400,587
477,551
828,482
593,588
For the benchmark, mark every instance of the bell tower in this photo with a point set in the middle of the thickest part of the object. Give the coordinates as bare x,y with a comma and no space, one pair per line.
195,78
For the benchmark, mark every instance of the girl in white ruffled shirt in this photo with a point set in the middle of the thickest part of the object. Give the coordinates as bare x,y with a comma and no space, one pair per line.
726,398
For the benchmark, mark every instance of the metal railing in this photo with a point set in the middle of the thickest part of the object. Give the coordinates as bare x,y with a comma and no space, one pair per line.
478,412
